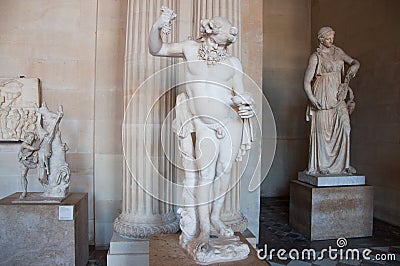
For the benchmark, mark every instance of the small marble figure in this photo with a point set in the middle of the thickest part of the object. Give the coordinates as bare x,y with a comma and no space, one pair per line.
331,102
49,152
217,110
27,159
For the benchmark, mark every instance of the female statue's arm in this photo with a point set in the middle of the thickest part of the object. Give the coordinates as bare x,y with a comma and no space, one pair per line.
308,77
353,69
354,65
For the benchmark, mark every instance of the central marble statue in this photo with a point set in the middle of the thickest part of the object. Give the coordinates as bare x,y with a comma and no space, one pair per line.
213,128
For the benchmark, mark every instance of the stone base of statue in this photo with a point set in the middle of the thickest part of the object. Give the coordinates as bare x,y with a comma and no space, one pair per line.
321,213
43,233
218,249
165,250
320,180
39,198
125,251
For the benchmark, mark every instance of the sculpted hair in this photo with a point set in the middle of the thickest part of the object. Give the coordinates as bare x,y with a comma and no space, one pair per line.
323,32
216,25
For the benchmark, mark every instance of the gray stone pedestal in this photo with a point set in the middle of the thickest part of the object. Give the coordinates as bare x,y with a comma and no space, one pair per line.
322,213
127,252
32,234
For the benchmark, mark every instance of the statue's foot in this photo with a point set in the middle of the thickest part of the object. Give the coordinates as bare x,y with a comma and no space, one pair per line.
350,171
202,242
221,228
23,195
324,172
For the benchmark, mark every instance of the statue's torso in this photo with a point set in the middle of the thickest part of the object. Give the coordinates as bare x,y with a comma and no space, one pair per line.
328,78
209,87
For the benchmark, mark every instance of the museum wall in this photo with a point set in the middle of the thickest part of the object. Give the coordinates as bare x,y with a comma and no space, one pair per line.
109,109
286,39
76,49
368,31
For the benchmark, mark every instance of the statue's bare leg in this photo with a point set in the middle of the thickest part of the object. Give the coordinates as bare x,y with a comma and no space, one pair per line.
219,225
24,181
228,151
206,156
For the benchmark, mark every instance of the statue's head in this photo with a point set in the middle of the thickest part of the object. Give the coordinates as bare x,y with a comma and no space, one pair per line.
326,36
219,29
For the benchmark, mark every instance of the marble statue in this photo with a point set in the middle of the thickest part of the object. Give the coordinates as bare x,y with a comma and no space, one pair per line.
28,159
213,128
331,102
46,149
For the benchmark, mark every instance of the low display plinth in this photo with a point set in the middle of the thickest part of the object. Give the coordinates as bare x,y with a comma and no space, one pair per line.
322,213
124,251
320,180
165,250
31,233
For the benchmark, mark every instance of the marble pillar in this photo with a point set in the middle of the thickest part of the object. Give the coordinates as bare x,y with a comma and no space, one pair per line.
142,214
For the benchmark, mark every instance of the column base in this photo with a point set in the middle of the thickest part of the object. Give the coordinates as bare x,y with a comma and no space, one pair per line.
237,223
166,224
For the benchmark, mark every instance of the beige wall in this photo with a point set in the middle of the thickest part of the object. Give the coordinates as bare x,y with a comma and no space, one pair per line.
109,107
286,49
368,30
76,49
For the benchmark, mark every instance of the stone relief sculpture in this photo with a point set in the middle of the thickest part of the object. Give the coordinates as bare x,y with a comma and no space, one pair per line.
213,129
18,97
47,150
331,103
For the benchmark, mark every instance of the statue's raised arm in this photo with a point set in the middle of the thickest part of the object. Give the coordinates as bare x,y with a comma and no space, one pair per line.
163,25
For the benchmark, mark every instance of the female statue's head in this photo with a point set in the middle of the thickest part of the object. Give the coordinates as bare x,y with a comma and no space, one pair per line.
326,36
219,29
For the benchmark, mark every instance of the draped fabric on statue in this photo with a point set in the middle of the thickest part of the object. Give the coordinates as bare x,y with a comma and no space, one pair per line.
330,127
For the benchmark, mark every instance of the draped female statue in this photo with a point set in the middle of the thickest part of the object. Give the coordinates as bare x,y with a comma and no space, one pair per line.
331,102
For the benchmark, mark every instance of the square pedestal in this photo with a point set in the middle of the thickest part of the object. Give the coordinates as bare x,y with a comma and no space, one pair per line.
33,234
322,213
165,250
127,252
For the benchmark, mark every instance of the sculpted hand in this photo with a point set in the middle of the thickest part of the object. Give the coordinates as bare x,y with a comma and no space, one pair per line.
351,72
165,20
245,111
315,103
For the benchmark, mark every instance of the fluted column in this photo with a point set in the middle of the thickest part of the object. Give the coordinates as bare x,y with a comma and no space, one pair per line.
142,213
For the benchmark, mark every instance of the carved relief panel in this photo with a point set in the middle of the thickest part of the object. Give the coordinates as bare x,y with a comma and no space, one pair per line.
18,97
